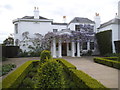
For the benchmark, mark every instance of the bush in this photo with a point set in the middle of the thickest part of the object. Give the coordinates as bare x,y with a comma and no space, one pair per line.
104,40
105,61
14,79
50,75
45,54
83,80
7,68
28,83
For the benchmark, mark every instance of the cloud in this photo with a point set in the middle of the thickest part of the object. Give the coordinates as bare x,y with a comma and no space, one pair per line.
8,7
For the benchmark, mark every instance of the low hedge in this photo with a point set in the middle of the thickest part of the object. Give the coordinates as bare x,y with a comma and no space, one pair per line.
105,61
81,79
112,58
66,64
15,78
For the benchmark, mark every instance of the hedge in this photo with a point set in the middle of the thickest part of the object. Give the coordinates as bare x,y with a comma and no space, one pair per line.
104,40
14,79
111,63
81,79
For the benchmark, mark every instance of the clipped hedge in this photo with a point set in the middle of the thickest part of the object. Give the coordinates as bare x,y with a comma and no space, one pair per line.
81,79
66,64
105,61
104,40
14,79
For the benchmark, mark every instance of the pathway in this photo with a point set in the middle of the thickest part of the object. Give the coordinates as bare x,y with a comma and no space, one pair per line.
106,75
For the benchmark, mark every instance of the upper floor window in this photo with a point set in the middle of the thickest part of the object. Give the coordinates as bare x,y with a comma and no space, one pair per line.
16,28
77,27
55,30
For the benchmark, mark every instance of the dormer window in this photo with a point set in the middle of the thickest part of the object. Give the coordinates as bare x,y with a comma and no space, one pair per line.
16,28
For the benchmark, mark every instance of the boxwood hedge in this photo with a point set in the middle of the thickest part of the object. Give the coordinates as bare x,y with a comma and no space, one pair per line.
15,78
108,62
81,79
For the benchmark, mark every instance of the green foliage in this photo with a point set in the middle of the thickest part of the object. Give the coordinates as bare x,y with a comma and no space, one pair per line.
14,79
112,55
104,40
108,62
66,64
83,80
50,75
28,83
45,54
7,68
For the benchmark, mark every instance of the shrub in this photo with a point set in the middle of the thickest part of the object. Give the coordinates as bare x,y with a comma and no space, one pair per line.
7,68
14,79
28,83
50,75
83,80
104,40
105,61
45,54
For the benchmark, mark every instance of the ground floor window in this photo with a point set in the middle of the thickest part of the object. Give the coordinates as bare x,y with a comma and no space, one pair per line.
91,45
84,46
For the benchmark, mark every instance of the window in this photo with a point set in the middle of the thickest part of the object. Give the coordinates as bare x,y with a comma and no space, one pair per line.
84,46
55,30
16,28
69,46
77,27
91,45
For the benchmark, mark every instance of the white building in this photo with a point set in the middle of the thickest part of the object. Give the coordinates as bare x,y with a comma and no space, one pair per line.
31,28
113,25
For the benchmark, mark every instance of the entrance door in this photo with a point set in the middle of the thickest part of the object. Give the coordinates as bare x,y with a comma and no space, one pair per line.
64,49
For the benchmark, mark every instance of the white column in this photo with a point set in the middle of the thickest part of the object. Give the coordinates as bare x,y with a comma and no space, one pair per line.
54,48
67,49
88,45
59,49
78,49
73,49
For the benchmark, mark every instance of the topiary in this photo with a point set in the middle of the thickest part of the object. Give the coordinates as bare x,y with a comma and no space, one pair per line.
50,75
45,54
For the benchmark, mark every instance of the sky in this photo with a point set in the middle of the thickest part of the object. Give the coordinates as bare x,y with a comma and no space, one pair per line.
53,9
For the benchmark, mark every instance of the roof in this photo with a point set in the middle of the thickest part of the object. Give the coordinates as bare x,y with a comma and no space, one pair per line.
32,17
113,21
59,23
81,20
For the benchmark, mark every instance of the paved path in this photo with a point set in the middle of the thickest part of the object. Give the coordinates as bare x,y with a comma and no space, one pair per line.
106,75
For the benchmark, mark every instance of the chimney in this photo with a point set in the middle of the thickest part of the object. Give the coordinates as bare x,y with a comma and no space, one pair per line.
119,9
97,21
64,19
36,13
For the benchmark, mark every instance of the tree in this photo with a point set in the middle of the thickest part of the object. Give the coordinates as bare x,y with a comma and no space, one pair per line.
8,41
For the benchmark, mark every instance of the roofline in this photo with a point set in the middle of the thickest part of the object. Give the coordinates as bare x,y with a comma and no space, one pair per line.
32,20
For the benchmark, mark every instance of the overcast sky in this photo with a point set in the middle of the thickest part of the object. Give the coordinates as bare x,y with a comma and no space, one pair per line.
53,9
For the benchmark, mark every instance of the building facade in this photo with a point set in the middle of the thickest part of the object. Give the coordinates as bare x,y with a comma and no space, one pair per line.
75,37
